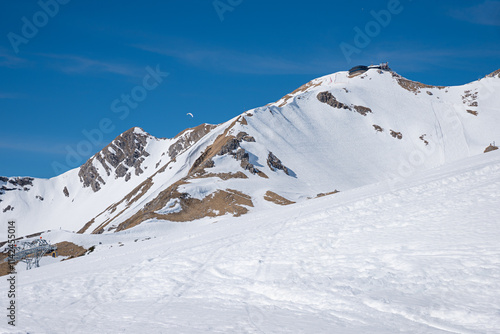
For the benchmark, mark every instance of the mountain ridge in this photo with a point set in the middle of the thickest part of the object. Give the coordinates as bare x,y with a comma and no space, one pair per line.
332,134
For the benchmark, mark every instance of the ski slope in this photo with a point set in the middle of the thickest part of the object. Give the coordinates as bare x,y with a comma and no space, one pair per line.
420,255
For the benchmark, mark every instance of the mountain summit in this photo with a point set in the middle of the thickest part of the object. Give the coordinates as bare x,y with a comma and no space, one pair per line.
334,133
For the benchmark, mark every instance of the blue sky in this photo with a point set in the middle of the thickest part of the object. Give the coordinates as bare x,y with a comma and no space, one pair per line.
67,66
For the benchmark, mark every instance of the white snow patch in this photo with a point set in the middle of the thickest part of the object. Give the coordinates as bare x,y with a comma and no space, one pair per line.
172,206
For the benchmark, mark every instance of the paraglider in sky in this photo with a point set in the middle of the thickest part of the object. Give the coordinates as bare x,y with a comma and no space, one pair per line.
190,114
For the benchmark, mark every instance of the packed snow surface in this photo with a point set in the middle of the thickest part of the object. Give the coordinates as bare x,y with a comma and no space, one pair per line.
420,255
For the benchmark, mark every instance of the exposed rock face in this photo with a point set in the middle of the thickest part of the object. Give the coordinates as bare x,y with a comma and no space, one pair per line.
15,183
277,199
243,136
243,156
8,208
126,152
490,148
231,145
470,99
378,128
274,163
412,86
66,192
226,145
494,74
422,138
22,181
218,203
121,171
397,135
328,98
328,193
240,154
362,110
90,177
189,137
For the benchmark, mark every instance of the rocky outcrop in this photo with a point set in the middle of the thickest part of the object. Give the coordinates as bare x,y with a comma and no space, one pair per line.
494,74
412,86
275,164
15,183
397,135
276,199
490,148
8,208
362,110
229,145
470,99
66,192
328,98
422,138
187,138
243,136
243,156
89,176
378,128
21,181
124,155
326,194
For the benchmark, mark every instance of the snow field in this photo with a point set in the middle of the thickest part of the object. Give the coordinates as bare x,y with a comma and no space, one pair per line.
419,257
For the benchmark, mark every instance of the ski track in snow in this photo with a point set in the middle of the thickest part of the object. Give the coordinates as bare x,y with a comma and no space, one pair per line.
420,258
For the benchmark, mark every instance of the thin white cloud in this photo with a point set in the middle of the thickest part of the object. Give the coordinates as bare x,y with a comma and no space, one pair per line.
10,95
34,146
74,64
7,59
486,13
235,61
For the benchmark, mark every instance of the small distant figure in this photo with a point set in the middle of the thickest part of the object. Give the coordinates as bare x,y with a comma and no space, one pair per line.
189,114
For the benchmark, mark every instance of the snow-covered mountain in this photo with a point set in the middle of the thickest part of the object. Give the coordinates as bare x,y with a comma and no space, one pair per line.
335,133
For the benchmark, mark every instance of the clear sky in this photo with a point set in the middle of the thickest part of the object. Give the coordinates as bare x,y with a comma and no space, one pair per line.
75,74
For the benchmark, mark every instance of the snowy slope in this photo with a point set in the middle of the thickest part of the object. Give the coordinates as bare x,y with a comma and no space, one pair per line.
333,134
418,255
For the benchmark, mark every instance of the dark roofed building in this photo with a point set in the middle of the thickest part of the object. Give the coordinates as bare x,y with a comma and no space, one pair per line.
358,70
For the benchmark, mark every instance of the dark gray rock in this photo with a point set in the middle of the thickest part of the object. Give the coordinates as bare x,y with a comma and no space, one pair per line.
230,146
243,136
128,150
22,181
90,177
328,98
121,171
274,163
397,135
241,154
362,110
8,208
